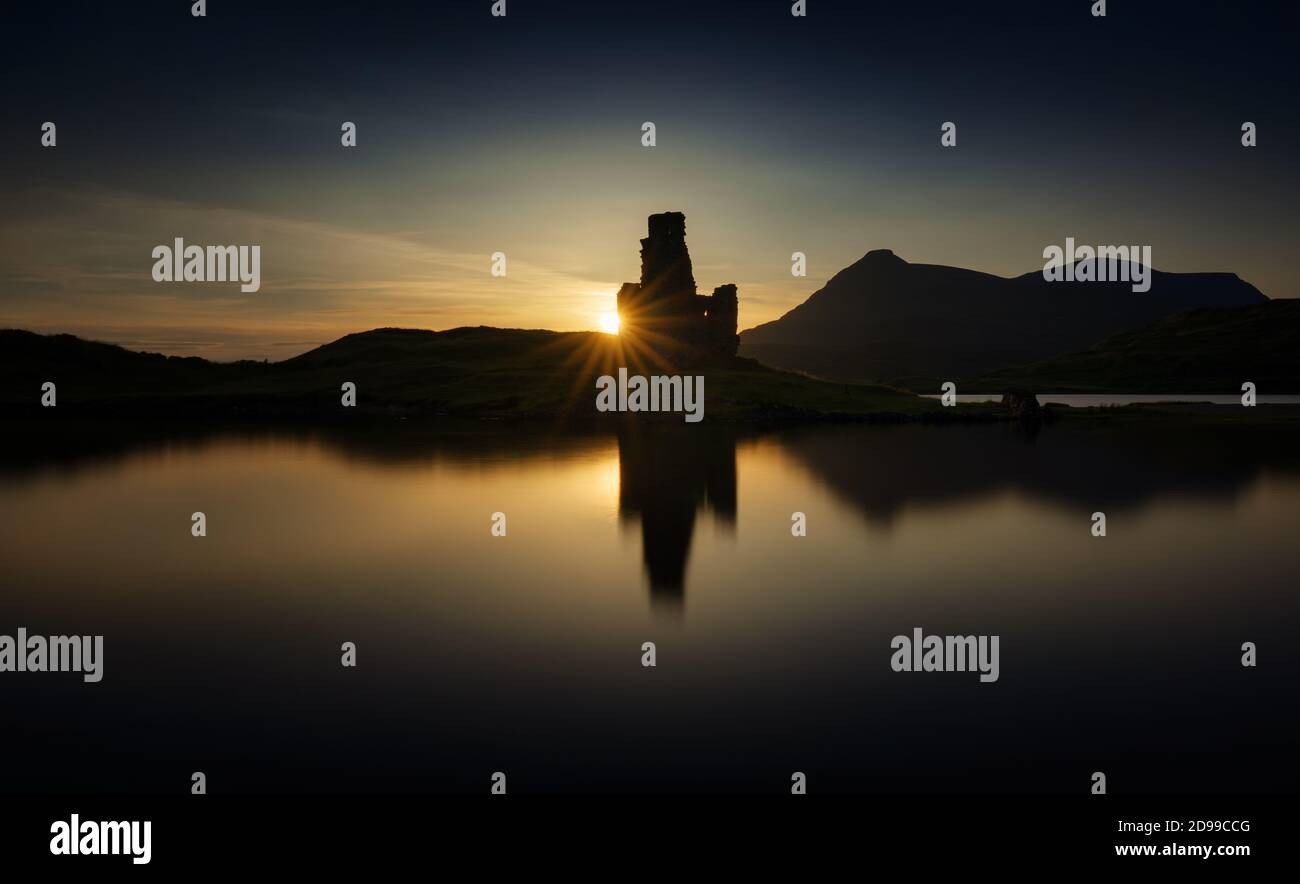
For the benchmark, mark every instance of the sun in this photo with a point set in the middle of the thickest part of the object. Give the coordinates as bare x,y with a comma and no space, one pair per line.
609,323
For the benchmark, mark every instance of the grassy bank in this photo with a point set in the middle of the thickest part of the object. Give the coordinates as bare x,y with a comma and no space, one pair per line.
467,372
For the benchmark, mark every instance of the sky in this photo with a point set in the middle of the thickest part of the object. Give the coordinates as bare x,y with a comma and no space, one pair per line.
522,135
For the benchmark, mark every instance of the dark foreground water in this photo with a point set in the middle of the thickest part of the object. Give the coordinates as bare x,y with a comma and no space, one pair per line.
522,654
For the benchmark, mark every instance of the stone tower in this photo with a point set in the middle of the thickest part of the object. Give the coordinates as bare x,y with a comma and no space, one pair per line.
664,310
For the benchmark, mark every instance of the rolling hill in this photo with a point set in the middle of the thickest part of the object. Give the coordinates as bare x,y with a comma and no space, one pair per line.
473,372
1200,351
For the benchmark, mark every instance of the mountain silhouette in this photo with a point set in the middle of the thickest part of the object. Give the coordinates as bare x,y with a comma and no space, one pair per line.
915,325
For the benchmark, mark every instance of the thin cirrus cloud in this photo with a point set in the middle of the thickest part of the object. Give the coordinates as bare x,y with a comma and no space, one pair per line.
83,263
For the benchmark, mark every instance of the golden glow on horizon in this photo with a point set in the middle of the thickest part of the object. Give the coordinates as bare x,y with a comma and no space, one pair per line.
609,322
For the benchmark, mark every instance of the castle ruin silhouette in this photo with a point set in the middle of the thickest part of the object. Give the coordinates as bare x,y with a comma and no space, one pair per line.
665,310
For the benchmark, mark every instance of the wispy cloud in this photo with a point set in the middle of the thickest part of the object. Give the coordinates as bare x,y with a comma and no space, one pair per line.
83,261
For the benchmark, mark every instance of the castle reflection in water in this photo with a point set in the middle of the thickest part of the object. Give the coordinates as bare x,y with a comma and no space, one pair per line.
667,476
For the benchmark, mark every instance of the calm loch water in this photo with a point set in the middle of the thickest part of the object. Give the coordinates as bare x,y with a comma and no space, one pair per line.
523,654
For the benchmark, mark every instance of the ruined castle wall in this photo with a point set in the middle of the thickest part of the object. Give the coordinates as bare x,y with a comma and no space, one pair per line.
721,320
666,274
665,307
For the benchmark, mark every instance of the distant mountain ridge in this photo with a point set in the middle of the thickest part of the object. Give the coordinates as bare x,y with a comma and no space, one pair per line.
885,320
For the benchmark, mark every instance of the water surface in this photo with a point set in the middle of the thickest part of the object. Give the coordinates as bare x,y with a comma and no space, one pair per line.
522,654
1095,400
